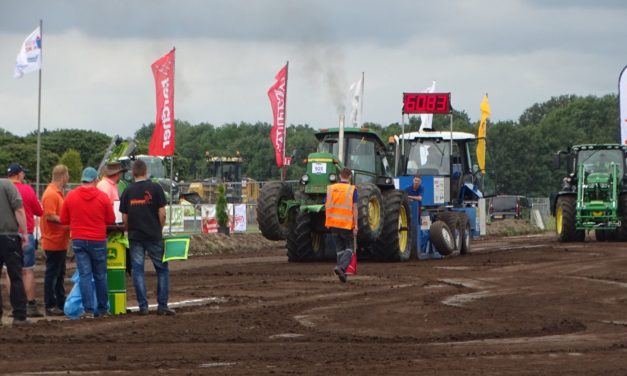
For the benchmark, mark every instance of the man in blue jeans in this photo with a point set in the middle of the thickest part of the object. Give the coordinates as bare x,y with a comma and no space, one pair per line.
88,211
143,211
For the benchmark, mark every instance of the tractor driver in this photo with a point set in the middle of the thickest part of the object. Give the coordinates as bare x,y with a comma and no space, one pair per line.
416,190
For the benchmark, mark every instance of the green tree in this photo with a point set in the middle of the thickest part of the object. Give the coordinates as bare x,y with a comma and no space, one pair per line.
72,159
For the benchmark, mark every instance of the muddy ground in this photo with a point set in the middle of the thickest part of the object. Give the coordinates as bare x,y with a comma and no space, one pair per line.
523,305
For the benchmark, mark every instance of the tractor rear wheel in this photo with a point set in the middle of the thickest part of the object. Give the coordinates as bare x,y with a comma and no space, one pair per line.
394,243
273,215
305,242
441,238
370,213
565,220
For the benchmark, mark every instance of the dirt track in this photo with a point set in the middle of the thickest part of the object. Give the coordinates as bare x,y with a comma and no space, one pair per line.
519,305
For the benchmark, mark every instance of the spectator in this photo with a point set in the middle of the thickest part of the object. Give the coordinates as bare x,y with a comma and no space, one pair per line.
32,207
143,212
109,183
88,211
13,238
54,241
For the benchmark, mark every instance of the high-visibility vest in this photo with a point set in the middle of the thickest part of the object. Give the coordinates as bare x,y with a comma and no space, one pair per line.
339,206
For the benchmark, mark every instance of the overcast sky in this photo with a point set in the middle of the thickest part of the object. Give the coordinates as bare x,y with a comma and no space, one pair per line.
97,56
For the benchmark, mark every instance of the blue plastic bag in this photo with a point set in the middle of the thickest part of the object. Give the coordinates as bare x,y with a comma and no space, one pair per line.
73,307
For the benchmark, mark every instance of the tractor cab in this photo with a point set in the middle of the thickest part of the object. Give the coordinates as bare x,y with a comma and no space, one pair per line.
446,162
363,152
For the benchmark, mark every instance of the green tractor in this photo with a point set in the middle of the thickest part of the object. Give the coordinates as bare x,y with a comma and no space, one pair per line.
593,194
299,216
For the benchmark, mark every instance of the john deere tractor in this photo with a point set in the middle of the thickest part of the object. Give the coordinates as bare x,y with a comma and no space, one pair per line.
299,216
593,194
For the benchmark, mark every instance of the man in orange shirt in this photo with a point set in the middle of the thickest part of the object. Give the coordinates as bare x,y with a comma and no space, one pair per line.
54,237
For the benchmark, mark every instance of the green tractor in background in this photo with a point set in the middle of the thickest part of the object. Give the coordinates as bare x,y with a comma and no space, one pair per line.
593,194
299,216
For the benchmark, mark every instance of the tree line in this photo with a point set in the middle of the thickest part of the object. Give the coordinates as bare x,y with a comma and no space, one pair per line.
519,153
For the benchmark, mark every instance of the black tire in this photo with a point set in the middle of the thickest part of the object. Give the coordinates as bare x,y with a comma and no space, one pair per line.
441,238
621,232
601,235
565,218
305,242
395,241
466,234
452,221
370,213
272,213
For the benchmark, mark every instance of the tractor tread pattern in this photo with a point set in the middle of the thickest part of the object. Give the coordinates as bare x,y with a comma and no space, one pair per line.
267,210
569,233
366,234
387,247
436,234
299,245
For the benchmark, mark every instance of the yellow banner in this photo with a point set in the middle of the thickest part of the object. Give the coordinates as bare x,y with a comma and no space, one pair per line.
481,133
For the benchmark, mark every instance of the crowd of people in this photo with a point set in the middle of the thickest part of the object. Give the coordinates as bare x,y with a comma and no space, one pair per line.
82,219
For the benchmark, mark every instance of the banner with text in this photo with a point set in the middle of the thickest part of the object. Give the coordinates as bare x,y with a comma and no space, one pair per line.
622,100
278,100
162,141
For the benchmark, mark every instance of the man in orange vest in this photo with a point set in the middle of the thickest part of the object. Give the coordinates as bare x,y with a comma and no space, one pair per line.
341,219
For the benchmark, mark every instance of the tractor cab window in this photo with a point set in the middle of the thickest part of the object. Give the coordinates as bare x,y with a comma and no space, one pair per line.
154,167
601,160
361,155
328,145
429,158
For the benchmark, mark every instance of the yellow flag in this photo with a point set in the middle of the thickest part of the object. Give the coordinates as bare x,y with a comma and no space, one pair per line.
481,132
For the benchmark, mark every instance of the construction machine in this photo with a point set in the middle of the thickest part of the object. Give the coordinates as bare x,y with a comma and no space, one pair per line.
123,151
298,215
593,195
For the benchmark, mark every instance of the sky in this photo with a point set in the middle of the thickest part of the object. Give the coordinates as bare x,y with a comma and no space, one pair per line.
97,54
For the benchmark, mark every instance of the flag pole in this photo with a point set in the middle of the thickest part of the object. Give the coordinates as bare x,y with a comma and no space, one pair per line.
284,168
41,55
172,156
361,111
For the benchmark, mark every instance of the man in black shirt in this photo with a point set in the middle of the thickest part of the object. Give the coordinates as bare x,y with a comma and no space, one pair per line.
143,211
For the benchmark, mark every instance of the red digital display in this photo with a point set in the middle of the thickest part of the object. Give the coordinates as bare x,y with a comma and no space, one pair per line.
426,103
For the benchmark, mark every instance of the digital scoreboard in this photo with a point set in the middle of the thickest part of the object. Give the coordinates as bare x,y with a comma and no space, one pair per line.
426,103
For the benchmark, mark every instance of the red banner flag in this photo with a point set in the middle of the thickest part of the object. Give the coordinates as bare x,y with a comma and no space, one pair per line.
278,100
162,141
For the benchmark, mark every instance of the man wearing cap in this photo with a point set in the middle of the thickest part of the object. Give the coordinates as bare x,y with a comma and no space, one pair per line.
54,241
88,211
13,238
32,207
111,174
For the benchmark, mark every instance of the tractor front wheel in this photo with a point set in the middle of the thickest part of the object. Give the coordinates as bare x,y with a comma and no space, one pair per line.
565,220
305,242
273,215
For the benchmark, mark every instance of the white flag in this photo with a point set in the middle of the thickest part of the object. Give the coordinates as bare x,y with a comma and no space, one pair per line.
427,119
29,58
355,97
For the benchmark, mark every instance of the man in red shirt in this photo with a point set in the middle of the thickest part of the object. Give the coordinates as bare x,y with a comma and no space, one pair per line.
32,207
88,211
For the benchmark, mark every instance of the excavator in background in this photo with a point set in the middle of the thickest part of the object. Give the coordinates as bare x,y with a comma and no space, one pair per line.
123,151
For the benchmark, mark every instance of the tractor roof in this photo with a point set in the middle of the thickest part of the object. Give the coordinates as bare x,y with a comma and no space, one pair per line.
598,147
442,135
363,131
